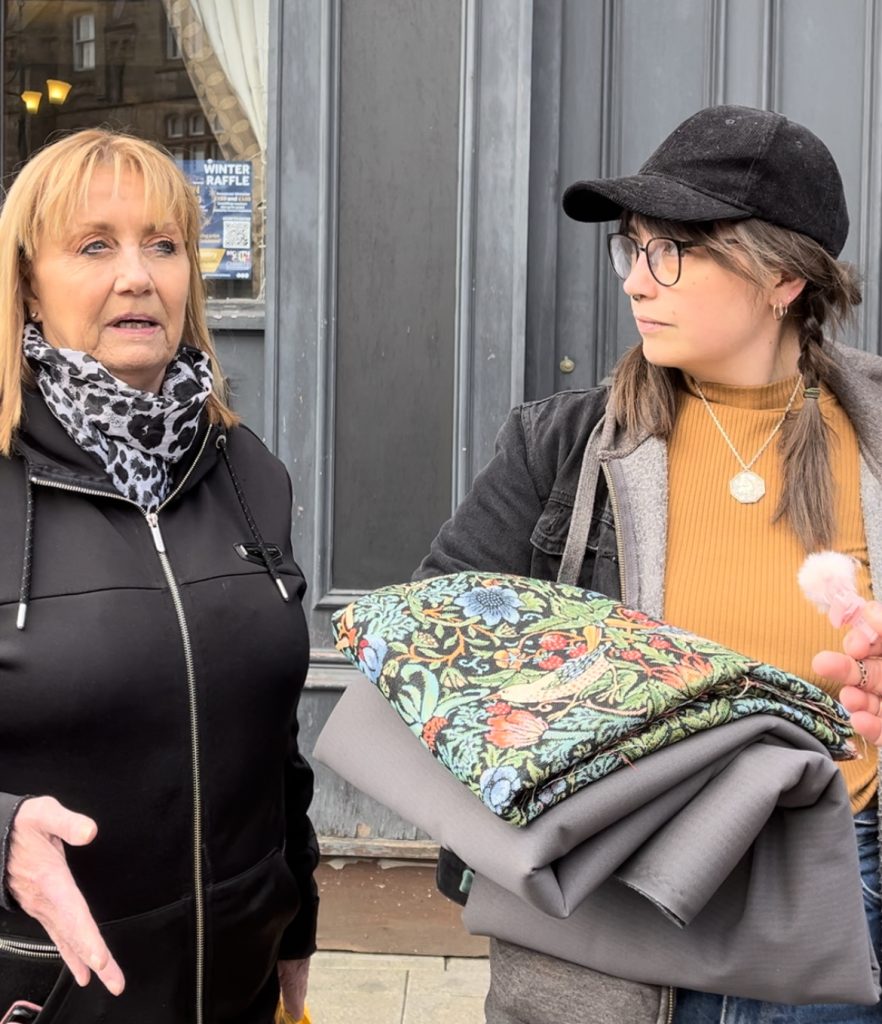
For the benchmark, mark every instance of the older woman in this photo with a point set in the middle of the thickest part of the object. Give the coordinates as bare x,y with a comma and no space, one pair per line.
153,832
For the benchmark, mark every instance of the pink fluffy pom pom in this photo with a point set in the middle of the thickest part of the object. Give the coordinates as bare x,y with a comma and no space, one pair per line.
824,575
828,580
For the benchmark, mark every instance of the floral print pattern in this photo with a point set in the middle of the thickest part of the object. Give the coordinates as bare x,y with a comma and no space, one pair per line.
527,690
491,604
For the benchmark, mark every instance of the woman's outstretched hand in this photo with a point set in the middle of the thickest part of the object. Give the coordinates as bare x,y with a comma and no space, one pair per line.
40,881
859,671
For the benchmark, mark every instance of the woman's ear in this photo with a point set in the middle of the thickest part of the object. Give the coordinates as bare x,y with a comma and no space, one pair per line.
27,285
787,290
31,302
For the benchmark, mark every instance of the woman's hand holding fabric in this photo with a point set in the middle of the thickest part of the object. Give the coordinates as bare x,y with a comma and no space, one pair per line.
861,693
293,976
39,879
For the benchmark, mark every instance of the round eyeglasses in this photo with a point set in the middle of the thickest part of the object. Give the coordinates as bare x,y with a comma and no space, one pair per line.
664,256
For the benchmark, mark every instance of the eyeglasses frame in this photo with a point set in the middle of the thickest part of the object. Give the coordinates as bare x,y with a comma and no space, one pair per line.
680,245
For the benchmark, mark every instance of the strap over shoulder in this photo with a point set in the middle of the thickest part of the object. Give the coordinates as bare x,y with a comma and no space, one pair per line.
577,538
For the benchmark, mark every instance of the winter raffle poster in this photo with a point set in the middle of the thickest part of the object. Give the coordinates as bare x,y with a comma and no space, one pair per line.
224,190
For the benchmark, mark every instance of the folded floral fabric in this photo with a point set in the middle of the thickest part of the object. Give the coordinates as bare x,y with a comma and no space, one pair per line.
527,690
726,862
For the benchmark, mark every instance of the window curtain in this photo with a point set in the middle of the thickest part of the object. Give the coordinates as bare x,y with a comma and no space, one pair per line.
239,35
225,44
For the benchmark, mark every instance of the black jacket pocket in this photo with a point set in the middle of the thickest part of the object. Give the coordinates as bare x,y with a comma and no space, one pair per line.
244,920
600,566
248,914
155,951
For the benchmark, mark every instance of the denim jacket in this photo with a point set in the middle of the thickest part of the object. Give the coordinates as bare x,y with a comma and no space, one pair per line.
516,517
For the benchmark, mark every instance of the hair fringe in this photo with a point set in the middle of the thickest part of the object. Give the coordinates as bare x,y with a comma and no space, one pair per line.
645,397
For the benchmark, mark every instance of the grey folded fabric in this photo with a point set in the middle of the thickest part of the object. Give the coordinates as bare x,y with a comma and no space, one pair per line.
725,862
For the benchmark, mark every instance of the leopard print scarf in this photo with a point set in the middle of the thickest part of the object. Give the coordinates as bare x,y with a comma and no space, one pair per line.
136,435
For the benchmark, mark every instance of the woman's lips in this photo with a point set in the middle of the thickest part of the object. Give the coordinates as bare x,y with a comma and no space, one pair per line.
646,325
137,324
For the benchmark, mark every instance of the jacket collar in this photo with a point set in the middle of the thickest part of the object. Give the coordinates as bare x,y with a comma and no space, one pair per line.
858,389
53,456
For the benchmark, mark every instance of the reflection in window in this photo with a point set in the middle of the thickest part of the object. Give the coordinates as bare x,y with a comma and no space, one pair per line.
174,126
173,49
189,74
83,42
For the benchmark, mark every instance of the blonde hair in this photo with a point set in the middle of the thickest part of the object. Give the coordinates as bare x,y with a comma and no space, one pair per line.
39,203
645,397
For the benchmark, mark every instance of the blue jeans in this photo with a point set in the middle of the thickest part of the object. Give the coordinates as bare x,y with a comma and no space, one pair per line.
703,1008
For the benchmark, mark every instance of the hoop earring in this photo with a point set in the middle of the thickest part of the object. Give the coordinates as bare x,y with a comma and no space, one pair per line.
779,310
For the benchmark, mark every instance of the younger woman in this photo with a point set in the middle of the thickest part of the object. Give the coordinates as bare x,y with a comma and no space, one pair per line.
735,438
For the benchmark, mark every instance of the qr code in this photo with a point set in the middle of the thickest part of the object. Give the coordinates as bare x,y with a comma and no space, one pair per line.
237,234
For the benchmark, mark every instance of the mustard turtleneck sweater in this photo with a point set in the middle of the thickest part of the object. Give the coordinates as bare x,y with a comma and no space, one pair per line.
731,572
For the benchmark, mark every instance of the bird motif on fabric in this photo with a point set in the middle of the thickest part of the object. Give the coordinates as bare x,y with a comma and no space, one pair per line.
560,683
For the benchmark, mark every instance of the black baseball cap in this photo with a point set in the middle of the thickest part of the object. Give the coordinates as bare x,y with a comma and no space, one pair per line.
729,163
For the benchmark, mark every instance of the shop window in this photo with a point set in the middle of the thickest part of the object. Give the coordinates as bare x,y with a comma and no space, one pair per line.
83,42
189,74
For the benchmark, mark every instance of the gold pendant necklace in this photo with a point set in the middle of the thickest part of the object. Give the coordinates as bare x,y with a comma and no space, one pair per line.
747,487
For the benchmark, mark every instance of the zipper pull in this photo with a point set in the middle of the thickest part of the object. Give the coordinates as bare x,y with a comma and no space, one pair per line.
155,532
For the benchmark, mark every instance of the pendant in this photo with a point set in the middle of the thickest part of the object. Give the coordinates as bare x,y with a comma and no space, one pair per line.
747,487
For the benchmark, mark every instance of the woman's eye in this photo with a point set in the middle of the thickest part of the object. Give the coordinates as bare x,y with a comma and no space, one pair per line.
167,246
93,247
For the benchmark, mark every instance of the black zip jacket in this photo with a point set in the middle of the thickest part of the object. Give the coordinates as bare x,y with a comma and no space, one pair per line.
154,687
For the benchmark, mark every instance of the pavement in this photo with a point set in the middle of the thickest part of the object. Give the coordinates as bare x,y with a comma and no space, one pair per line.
377,988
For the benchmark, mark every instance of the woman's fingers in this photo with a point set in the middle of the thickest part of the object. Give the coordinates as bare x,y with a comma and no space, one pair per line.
856,643
68,922
861,693
40,880
77,968
868,725
55,820
86,952
846,671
